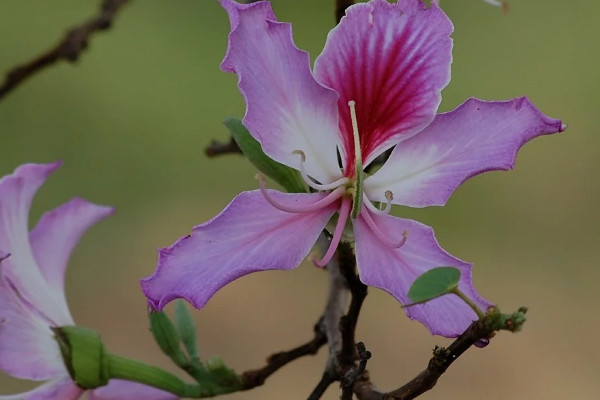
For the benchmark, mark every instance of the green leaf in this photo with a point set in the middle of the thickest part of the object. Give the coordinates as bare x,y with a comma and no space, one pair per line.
287,177
184,324
434,283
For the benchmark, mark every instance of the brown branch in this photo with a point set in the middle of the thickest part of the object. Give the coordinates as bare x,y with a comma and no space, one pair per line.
477,334
356,372
216,148
340,8
69,49
254,378
358,290
327,379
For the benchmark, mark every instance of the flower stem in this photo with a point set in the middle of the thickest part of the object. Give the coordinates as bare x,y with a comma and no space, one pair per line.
130,370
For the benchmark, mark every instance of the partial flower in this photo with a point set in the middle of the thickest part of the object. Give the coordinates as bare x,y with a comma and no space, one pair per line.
32,297
376,86
503,3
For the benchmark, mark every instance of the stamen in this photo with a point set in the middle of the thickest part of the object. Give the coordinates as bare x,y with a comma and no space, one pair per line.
389,196
337,234
358,168
317,205
311,183
369,220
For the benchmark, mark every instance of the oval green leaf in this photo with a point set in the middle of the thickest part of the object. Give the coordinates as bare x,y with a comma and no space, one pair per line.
434,283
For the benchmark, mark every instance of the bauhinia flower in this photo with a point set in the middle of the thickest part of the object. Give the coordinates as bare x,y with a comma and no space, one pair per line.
376,86
32,297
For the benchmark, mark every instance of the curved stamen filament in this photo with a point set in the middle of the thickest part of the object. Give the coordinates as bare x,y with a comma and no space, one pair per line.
317,205
375,229
337,234
389,196
311,183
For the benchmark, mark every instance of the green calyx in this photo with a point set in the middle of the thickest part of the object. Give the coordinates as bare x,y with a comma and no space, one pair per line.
91,366
84,355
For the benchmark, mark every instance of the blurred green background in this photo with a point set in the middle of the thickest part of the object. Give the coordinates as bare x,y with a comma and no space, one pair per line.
131,119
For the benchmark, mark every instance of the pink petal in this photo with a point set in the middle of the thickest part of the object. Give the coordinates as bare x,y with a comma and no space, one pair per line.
393,60
394,270
58,389
249,235
55,236
27,347
16,194
476,137
287,108
124,390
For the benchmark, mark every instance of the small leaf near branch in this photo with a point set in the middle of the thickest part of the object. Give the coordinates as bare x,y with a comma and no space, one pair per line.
432,284
282,174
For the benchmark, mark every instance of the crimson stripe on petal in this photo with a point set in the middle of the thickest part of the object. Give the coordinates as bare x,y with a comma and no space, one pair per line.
393,60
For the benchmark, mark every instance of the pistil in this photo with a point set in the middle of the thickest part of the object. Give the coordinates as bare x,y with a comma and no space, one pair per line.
358,168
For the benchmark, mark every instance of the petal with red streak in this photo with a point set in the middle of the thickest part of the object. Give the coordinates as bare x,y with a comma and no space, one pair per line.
393,60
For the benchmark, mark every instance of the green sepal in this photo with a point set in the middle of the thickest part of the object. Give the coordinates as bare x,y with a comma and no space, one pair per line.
84,355
186,328
432,284
166,336
287,177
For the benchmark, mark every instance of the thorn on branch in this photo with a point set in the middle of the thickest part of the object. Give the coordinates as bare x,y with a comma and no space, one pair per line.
68,49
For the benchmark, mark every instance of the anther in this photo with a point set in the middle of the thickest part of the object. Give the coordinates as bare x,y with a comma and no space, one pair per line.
301,154
389,196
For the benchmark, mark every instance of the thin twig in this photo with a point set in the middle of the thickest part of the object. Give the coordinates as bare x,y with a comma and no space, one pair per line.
217,148
340,8
69,49
477,334
254,378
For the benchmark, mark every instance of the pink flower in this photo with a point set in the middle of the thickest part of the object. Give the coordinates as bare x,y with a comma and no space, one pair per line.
32,297
375,86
